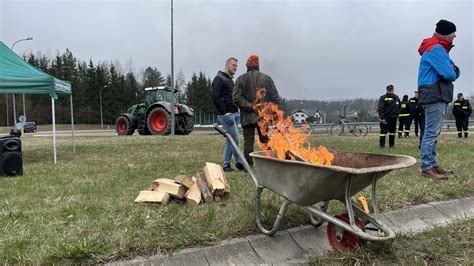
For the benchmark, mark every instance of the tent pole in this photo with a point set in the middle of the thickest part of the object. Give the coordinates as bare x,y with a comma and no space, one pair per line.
24,108
72,127
14,110
54,130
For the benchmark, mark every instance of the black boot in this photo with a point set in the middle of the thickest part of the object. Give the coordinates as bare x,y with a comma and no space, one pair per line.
382,142
391,141
407,134
465,134
399,135
459,135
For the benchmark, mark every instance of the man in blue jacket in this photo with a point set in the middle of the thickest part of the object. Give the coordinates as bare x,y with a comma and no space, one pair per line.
228,113
435,76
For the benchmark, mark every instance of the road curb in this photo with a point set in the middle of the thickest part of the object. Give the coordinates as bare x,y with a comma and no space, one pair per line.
297,245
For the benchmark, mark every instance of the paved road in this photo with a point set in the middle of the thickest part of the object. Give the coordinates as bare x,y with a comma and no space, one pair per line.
96,133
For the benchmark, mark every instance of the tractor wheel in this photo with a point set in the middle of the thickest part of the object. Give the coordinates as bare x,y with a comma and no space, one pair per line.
123,126
189,124
144,131
158,121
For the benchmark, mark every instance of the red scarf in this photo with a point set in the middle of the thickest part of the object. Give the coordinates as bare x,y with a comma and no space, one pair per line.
429,43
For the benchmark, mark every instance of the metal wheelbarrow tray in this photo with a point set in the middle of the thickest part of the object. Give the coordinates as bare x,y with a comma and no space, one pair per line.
306,184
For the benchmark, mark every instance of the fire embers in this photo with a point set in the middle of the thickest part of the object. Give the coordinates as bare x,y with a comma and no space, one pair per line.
288,141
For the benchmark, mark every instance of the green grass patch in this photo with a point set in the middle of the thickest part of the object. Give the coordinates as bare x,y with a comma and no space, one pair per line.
82,209
444,245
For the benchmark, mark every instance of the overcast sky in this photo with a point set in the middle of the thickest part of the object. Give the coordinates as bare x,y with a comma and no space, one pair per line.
321,50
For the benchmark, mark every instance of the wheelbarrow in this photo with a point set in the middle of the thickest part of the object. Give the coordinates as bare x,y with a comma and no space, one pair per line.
312,186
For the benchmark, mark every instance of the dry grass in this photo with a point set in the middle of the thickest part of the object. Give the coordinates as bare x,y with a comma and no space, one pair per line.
82,210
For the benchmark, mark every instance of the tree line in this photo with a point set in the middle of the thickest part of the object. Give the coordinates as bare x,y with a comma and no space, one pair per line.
91,81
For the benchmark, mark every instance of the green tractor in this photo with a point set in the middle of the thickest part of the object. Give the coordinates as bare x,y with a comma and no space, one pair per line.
153,117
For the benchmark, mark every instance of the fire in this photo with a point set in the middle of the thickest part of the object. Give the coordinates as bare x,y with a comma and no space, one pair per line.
288,141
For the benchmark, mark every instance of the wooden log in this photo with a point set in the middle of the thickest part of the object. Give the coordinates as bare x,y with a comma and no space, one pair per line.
153,196
226,193
193,196
296,156
213,175
184,180
169,186
204,187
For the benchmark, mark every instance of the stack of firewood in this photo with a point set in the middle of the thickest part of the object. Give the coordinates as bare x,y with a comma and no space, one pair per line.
207,185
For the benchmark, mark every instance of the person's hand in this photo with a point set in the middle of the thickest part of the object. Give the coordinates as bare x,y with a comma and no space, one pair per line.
227,114
383,121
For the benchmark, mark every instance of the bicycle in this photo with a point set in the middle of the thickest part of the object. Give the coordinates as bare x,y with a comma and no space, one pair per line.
355,128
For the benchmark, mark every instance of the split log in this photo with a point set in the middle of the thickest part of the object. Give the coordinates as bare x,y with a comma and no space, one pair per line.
193,196
184,180
153,196
169,186
213,175
203,187
226,193
296,156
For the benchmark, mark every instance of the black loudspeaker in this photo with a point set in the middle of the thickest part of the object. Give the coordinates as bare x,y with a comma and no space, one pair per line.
11,162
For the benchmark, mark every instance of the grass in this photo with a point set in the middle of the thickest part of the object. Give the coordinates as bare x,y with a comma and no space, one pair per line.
444,245
82,209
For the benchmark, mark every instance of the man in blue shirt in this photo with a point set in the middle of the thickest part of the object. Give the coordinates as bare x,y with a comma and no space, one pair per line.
435,76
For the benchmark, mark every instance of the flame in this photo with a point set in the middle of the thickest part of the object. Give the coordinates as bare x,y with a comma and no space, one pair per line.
288,141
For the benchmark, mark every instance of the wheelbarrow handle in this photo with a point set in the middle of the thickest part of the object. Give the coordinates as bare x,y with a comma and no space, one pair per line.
239,153
220,130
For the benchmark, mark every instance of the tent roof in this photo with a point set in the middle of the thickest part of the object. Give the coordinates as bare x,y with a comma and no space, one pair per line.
17,76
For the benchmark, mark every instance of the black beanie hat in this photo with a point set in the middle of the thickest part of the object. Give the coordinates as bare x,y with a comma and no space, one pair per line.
444,27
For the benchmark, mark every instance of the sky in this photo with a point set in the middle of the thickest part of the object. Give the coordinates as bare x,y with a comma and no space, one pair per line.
318,50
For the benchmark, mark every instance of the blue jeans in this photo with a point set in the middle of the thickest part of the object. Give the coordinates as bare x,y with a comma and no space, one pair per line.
230,124
434,115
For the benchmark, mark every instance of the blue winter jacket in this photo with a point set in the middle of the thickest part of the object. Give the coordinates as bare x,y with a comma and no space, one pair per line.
437,71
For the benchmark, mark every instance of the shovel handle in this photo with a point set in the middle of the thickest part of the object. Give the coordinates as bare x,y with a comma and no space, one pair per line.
220,130
363,201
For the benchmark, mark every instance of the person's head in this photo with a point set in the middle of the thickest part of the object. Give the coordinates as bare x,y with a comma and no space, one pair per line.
405,97
390,89
460,96
253,62
231,66
417,94
447,29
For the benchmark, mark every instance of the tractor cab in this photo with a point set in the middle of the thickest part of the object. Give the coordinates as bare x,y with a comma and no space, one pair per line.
159,94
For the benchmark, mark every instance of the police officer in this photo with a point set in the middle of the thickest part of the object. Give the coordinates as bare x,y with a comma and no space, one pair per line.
415,109
462,110
388,114
404,119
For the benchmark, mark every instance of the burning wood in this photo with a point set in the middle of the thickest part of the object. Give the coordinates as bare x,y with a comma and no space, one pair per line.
284,138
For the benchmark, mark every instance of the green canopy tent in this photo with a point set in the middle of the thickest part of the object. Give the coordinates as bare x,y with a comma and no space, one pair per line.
17,76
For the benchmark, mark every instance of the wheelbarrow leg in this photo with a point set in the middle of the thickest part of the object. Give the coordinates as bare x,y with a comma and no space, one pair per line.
318,221
350,211
279,219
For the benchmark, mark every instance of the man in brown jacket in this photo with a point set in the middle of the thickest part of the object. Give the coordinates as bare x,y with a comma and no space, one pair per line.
244,94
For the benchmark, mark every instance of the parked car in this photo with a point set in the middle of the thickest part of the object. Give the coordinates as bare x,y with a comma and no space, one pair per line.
29,127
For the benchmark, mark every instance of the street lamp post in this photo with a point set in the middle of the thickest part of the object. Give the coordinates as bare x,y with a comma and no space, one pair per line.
24,108
100,99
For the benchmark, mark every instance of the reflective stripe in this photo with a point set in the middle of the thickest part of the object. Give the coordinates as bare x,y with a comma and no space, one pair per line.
459,131
412,101
404,105
407,131
388,99
397,103
393,134
382,135
404,114
457,103
464,107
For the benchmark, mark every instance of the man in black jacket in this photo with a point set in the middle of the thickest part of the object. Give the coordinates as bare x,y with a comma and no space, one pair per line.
228,113
388,114
404,118
415,111
462,110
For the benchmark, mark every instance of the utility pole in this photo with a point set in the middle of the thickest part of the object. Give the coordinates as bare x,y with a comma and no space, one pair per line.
172,77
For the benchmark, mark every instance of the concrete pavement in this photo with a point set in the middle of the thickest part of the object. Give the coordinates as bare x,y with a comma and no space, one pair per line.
297,245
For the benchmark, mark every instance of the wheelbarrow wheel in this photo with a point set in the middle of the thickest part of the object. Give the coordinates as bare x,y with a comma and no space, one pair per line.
348,240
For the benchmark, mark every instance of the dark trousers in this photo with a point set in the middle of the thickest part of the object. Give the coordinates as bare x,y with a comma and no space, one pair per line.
422,129
416,123
388,128
462,124
249,140
404,122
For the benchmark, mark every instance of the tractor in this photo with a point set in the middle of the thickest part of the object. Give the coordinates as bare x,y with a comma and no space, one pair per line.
153,117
